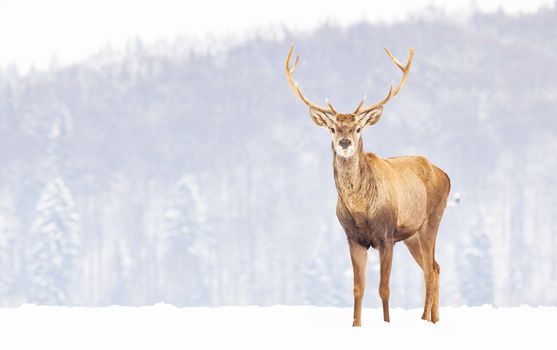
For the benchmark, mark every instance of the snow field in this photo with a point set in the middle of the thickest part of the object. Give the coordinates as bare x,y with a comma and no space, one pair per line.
277,327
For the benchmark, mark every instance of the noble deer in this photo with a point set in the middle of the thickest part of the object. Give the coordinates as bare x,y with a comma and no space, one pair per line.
382,201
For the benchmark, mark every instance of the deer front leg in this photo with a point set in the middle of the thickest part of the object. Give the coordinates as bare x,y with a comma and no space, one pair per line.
386,260
358,253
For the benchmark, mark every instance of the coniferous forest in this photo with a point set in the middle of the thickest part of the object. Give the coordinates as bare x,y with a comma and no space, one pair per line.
167,174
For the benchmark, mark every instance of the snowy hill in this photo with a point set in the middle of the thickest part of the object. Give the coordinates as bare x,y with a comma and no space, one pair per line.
276,327
200,180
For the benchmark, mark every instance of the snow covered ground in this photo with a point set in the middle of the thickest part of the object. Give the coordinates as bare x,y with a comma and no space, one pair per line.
275,327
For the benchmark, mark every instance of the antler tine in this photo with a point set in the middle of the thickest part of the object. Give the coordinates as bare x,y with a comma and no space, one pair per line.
392,92
330,106
357,110
404,69
294,86
399,65
295,64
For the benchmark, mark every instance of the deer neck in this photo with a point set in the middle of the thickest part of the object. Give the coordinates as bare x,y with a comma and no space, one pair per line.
354,175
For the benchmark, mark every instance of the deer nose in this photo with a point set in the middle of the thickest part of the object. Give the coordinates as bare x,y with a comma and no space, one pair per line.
345,143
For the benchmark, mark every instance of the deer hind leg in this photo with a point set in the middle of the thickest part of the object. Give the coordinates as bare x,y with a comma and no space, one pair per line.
435,304
422,246
426,249
358,254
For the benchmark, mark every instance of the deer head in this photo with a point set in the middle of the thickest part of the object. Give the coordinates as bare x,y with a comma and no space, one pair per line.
345,129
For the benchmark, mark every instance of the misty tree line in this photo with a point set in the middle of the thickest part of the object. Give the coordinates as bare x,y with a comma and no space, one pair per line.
169,175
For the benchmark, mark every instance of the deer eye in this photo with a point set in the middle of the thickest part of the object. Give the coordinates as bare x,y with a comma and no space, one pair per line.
358,130
333,130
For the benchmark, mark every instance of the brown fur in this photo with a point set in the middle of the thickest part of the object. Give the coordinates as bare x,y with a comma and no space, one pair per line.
384,201
345,118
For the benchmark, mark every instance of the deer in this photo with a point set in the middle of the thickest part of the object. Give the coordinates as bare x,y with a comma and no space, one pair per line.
382,201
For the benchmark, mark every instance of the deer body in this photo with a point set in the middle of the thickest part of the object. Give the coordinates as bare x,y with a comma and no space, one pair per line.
382,201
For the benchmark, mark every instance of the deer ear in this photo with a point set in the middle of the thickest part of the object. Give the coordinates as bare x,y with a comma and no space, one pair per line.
371,117
320,118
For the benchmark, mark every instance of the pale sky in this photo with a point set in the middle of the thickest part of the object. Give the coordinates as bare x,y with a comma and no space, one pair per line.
33,31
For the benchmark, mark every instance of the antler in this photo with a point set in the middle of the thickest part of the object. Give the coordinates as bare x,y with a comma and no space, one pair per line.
392,92
296,89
